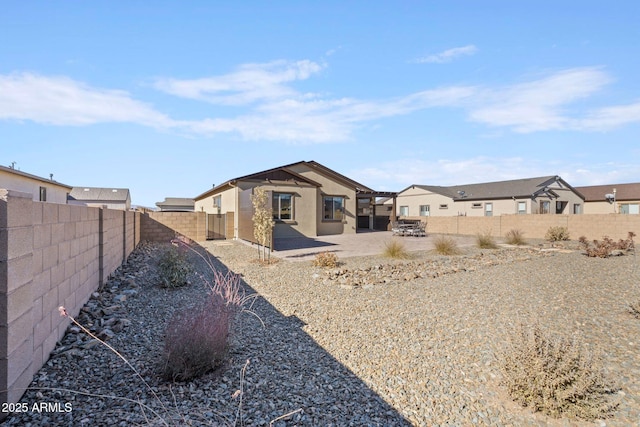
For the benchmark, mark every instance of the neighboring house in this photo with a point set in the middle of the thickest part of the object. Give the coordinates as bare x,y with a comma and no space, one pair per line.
613,198
109,198
42,189
176,204
543,195
306,198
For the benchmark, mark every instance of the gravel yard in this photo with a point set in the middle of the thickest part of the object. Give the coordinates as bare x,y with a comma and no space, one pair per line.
341,347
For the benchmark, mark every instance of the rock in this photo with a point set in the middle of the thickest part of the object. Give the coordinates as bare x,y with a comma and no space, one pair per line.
108,311
106,334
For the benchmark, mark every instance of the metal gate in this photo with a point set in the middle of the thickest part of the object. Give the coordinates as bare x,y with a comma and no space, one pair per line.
216,226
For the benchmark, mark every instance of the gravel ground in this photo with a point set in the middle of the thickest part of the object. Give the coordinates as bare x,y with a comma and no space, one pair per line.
418,349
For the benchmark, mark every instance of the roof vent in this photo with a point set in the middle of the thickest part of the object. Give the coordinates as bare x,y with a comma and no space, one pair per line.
114,191
86,189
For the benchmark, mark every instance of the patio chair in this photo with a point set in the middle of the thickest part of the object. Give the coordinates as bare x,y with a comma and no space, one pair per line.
418,230
396,230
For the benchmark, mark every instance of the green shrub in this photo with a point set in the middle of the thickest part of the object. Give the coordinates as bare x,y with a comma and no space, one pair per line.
486,241
557,234
326,259
395,249
444,245
556,376
515,237
174,268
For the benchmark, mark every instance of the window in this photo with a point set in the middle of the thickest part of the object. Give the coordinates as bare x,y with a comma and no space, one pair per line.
522,208
630,208
577,208
488,209
444,206
282,206
476,205
43,194
333,208
217,201
545,207
404,210
424,210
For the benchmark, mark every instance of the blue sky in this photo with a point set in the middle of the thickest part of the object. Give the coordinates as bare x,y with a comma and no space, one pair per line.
168,98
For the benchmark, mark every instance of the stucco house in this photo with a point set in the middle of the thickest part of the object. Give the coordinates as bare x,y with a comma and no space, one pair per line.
306,198
541,195
109,198
176,204
611,198
42,189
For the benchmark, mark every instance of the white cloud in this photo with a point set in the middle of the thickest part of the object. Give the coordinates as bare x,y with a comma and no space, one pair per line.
273,110
448,55
610,117
250,83
62,101
539,105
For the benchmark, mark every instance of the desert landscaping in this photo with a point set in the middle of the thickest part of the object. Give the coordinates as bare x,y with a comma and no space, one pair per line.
372,341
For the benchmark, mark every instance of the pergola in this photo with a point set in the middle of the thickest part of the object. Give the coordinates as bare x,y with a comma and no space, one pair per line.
372,196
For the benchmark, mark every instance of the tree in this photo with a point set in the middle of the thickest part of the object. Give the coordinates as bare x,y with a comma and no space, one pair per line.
262,221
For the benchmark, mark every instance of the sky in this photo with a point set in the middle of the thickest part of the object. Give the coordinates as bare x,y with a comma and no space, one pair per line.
168,98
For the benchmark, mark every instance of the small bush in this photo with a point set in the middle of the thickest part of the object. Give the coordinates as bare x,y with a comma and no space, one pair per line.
557,234
326,259
605,247
515,237
196,341
395,249
174,268
556,376
486,241
444,245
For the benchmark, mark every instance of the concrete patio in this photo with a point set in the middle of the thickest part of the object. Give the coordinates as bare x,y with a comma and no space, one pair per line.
360,244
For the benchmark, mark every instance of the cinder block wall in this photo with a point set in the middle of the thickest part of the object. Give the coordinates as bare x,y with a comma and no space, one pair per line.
50,255
163,226
592,226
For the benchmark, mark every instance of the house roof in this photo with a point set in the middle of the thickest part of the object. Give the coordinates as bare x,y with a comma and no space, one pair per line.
34,177
285,173
176,202
96,194
519,188
596,193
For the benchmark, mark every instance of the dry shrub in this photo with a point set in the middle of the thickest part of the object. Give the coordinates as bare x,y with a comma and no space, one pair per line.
395,249
174,267
605,247
486,241
557,234
634,309
556,376
196,340
515,237
326,259
444,245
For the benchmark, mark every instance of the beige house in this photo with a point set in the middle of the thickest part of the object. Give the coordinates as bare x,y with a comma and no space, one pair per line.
307,200
176,204
42,189
108,198
543,195
612,198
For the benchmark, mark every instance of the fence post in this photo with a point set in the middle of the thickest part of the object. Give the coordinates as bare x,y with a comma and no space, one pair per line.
16,282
